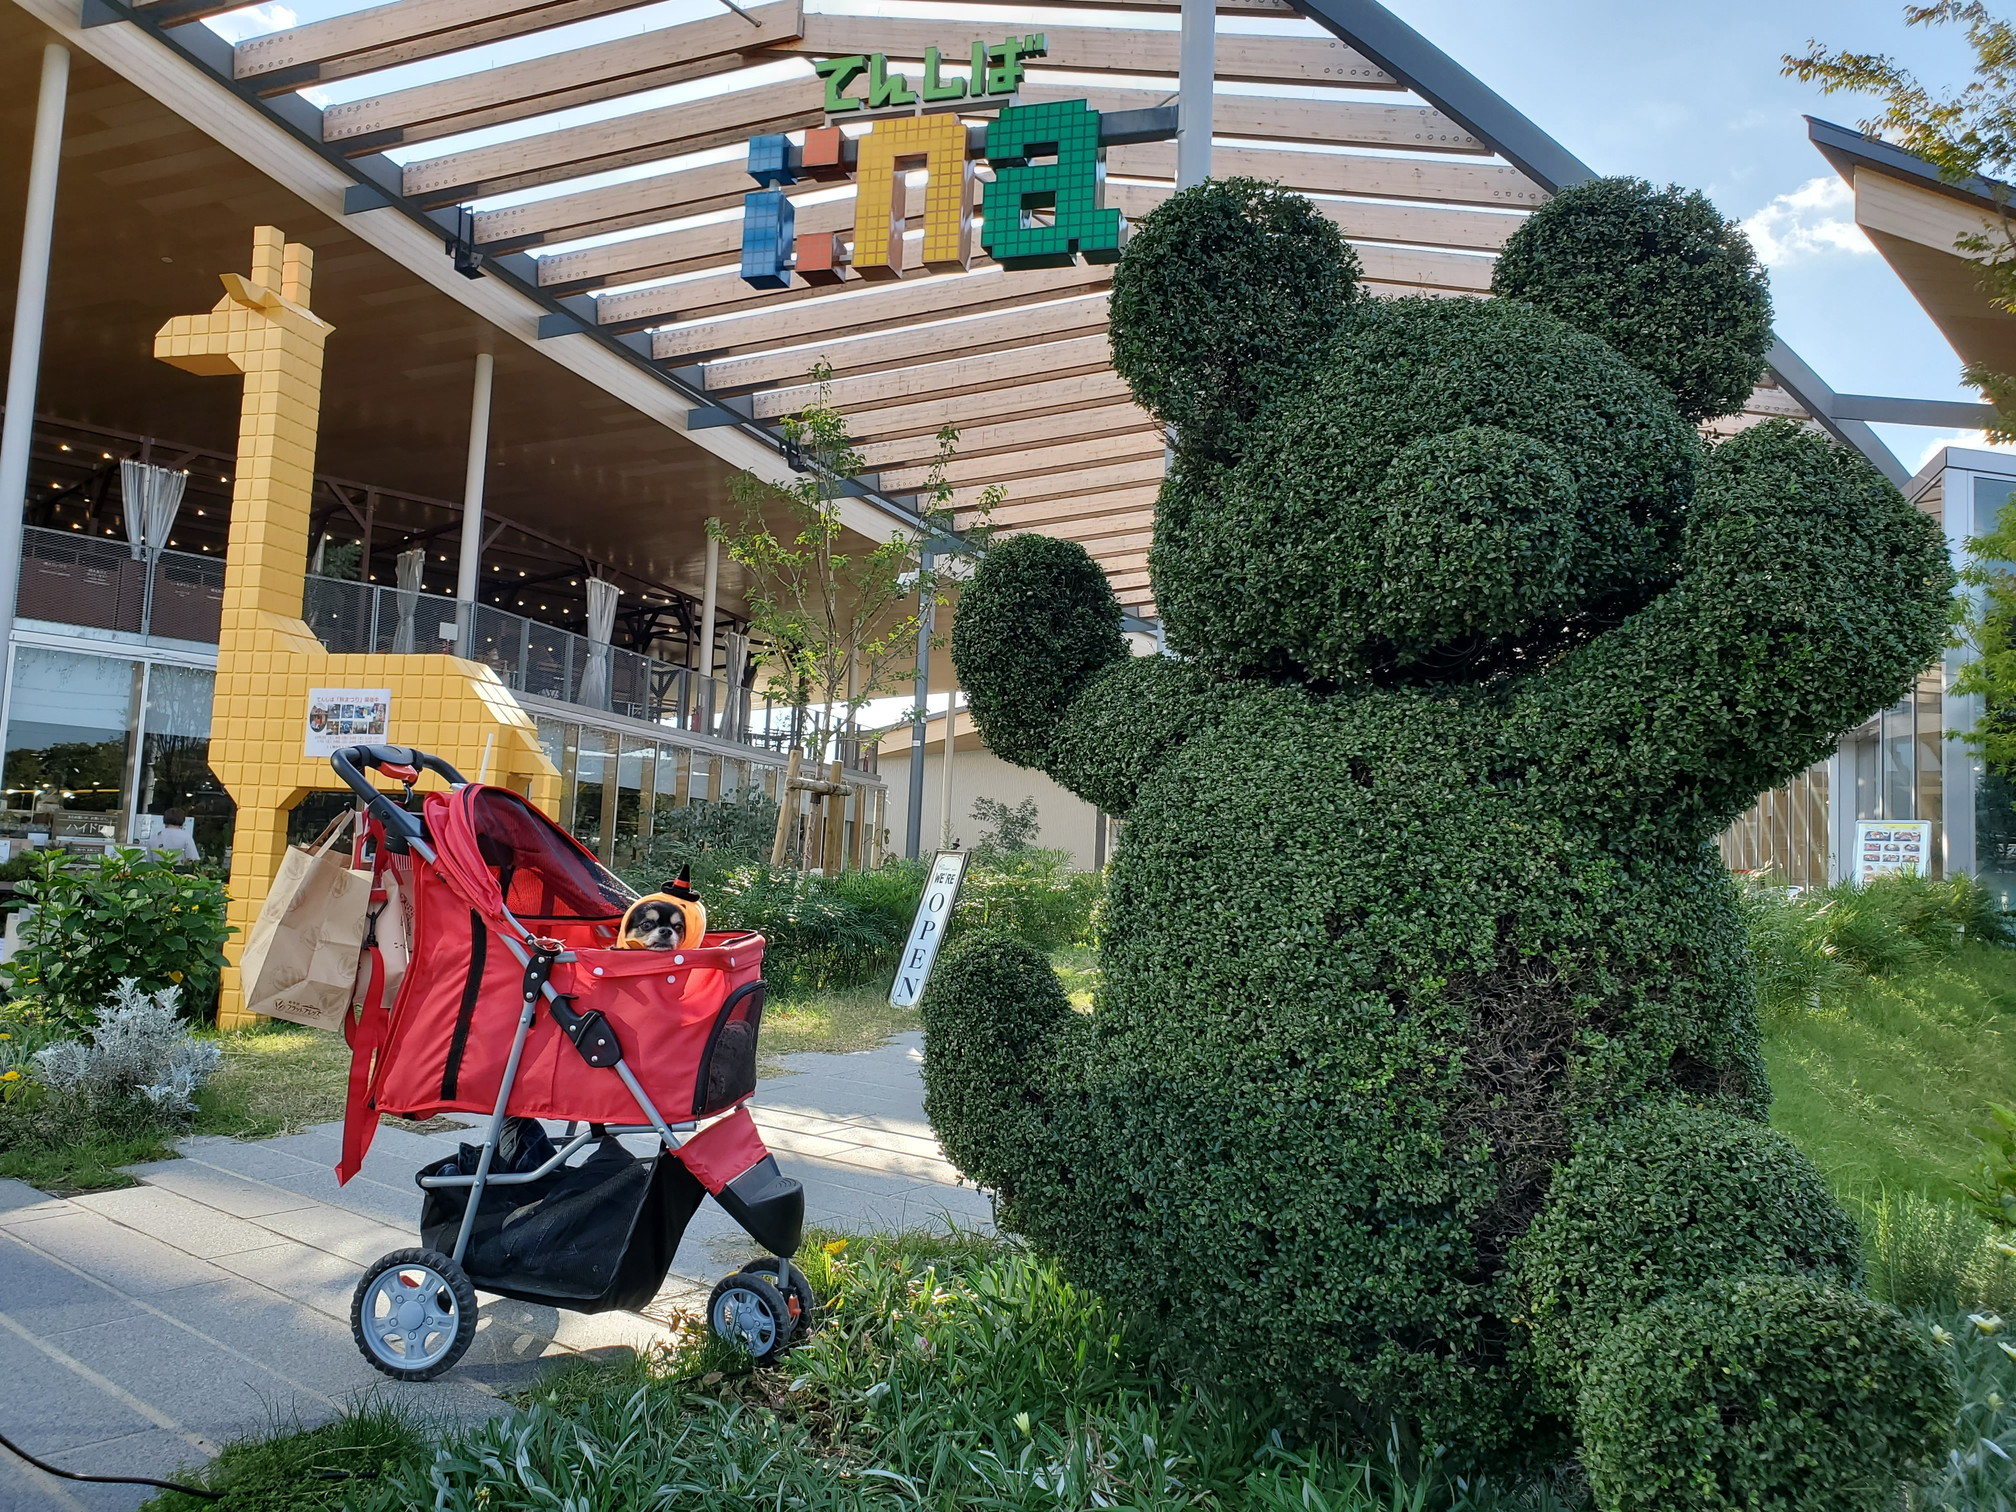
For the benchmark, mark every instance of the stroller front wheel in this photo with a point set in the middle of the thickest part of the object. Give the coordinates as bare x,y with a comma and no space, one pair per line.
413,1314
797,1296
748,1311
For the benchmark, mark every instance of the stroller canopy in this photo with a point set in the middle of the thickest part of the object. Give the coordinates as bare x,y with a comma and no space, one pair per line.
502,853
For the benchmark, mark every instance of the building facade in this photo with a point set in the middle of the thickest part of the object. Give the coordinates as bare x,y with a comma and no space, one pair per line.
1908,762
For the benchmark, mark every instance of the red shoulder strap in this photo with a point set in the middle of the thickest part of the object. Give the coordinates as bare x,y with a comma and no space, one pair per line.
366,1034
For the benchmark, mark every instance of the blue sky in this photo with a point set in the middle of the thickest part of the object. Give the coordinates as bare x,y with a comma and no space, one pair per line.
1692,94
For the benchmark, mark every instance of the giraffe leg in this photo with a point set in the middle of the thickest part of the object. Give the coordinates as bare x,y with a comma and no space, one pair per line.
258,842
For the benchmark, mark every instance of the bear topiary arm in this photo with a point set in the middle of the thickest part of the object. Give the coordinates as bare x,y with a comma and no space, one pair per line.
1037,622
1810,594
1048,677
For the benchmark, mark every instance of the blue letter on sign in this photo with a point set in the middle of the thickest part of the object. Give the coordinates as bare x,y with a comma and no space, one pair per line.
767,235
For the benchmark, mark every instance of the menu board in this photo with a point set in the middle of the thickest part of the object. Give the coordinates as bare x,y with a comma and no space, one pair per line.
339,717
1891,847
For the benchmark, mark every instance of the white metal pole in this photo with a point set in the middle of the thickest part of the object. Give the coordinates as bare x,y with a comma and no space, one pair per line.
1197,62
920,717
945,770
24,362
707,600
469,573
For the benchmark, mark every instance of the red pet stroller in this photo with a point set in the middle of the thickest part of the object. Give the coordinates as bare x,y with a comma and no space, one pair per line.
517,1005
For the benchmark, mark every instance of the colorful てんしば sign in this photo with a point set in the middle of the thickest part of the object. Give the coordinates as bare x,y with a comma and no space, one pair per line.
996,71
1042,206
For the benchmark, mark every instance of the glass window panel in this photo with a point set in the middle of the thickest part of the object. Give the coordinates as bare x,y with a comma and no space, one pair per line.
631,771
591,766
1990,494
175,760
69,738
1899,785
1995,835
1931,781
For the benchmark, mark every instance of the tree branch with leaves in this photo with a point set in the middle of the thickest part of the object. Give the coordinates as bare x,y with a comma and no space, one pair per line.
1963,133
839,621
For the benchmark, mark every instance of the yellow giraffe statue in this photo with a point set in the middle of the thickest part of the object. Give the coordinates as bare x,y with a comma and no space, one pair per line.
267,658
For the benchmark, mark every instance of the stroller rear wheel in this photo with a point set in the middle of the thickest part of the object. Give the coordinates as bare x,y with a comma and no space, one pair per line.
797,1295
749,1312
413,1314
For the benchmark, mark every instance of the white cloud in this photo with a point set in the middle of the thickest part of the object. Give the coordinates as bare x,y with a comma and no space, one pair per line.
1815,219
1972,440
258,21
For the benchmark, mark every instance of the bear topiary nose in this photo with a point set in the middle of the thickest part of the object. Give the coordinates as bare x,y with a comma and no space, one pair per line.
1476,536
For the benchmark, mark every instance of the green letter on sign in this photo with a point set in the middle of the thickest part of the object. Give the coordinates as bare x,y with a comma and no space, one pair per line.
1071,187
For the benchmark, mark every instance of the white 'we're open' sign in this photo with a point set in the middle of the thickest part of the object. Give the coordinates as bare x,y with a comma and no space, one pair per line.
927,932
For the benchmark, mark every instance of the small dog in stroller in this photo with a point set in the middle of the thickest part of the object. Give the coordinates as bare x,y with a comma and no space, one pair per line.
521,1003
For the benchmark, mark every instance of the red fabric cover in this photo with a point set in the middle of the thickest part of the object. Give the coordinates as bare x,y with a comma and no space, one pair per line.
661,1003
364,1033
723,1150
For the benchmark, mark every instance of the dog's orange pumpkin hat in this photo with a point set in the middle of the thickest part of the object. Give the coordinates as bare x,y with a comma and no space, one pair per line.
686,902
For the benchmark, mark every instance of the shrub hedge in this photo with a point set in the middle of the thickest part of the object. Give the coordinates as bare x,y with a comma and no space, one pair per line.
1773,1393
1656,273
1652,1203
1225,299
1414,889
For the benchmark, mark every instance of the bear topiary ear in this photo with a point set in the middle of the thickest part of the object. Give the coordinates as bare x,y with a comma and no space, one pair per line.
1656,273
1227,291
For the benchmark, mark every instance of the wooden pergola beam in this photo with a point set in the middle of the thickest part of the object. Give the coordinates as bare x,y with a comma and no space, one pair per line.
626,65
1240,56
1101,478
404,31
616,207
1007,467
664,252
1017,401
1343,122
1026,325
1487,184
857,398
621,142
1365,220
1011,436
876,307
1043,514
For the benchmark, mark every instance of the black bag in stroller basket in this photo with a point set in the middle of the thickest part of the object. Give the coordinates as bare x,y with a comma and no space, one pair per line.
588,1237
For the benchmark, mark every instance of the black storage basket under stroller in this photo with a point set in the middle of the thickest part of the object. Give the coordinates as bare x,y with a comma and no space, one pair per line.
588,1237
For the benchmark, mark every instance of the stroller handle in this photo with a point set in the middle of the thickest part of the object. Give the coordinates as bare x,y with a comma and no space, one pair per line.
352,761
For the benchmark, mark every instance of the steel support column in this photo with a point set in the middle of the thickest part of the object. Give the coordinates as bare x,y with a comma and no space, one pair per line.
31,299
469,573
920,717
708,594
1197,65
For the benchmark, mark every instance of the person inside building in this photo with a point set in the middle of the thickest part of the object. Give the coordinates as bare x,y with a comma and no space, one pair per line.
176,840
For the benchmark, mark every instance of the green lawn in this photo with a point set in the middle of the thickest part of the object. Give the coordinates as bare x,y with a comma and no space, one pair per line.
838,1021
1885,1083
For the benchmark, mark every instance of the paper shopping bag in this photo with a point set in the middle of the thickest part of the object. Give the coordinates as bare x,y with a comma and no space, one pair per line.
301,960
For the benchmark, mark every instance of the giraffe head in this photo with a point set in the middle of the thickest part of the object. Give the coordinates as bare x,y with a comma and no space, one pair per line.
259,316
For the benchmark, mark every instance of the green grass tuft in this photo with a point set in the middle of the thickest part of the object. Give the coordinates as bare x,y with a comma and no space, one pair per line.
306,1470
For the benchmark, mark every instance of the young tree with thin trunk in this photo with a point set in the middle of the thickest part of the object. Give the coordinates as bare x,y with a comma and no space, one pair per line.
840,622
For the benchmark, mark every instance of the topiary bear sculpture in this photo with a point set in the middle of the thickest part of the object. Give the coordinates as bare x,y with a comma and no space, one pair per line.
1476,646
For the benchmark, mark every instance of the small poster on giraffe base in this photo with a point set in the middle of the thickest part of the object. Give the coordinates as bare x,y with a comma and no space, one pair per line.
339,717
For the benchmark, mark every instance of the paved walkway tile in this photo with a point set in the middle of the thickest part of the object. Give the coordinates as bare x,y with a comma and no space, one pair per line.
140,1328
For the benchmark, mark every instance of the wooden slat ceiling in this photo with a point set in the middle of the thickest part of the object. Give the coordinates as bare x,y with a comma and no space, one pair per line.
1017,360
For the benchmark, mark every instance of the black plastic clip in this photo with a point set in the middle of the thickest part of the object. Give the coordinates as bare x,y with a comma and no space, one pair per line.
589,1031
